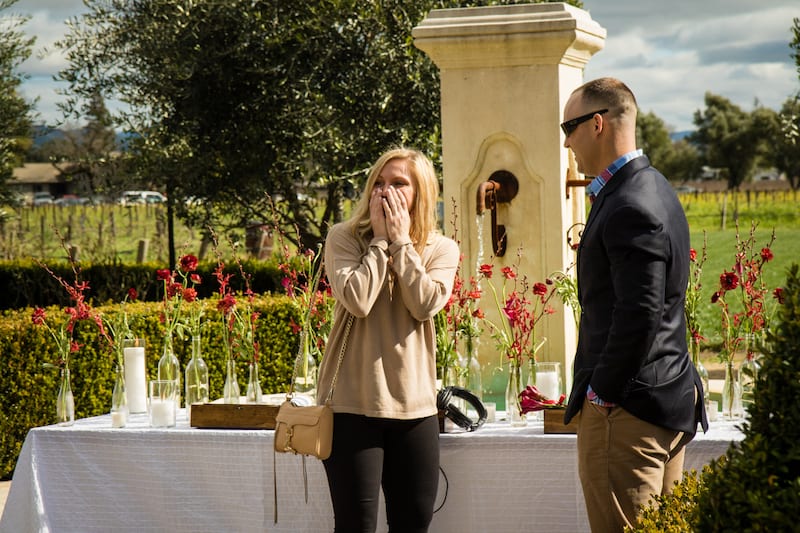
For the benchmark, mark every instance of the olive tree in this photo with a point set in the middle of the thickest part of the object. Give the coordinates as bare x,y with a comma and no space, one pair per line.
15,125
269,109
731,138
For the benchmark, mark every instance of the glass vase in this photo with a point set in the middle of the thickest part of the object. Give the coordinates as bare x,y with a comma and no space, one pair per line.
546,377
230,392
701,369
473,380
119,400
731,393
748,375
65,402
253,385
305,380
169,366
513,388
196,377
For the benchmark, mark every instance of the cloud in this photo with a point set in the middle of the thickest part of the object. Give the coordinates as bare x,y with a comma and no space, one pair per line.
671,54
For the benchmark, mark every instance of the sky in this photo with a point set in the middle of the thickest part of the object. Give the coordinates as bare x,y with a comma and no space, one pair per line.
670,52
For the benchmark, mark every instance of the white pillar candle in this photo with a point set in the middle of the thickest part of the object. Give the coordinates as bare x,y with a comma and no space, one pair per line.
711,410
135,382
491,411
547,383
119,419
162,413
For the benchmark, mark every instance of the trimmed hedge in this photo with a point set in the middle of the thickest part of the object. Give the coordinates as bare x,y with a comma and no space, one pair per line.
28,389
26,284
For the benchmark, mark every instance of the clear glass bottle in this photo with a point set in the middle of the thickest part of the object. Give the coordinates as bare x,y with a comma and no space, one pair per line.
731,393
513,388
305,380
694,347
230,392
169,368
748,375
65,401
119,401
196,377
254,384
473,381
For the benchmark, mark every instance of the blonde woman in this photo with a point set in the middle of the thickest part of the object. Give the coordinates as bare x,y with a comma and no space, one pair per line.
390,268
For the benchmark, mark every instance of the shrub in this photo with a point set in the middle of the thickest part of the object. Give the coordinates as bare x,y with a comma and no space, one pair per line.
26,284
671,513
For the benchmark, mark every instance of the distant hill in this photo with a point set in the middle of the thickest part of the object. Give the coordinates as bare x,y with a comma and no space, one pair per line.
43,134
678,135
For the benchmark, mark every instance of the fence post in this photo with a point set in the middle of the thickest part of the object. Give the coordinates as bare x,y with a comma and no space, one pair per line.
141,251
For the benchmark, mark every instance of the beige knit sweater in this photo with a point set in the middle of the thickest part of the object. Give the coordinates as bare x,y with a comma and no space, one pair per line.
389,366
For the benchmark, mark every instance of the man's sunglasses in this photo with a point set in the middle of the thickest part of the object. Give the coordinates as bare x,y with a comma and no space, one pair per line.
569,126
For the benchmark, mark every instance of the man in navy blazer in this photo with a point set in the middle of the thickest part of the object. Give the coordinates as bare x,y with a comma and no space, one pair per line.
637,392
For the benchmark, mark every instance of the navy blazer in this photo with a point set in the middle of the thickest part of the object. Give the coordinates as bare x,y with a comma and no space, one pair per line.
633,269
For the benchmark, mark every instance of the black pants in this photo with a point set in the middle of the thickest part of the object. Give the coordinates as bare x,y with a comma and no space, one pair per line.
402,456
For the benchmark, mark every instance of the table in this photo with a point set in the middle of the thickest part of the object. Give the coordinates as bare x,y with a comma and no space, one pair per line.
92,478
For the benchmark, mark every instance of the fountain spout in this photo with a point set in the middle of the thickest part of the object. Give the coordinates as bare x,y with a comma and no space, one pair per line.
501,187
486,196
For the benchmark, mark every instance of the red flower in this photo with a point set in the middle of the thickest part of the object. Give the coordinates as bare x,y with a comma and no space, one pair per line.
174,289
163,274
226,303
486,271
746,277
778,294
196,279
728,281
188,263
189,294
531,399
508,273
692,255
38,316
132,294
539,289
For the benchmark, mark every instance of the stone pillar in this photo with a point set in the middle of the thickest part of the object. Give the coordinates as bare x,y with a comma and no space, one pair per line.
506,73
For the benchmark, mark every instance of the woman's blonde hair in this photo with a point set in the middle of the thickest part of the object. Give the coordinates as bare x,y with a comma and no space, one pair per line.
423,209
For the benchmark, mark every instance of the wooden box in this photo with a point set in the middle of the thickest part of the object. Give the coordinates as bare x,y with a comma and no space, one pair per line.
233,416
554,422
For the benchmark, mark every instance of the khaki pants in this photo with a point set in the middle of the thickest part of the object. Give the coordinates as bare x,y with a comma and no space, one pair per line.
622,462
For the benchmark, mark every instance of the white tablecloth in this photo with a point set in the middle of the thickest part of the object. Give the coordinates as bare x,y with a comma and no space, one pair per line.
92,478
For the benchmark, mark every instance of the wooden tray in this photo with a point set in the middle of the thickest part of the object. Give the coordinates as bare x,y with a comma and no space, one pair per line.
233,416
554,422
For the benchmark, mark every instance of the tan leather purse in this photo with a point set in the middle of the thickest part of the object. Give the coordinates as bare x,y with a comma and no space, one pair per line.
306,430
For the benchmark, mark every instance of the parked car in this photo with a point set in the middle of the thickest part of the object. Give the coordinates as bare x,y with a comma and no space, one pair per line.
71,199
42,198
141,197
